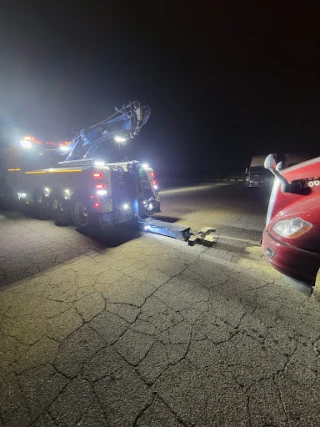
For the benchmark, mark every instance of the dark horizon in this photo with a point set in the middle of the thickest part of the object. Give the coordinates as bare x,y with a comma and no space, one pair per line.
222,85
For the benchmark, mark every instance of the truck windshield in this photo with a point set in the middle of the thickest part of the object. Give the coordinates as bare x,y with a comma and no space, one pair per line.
259,170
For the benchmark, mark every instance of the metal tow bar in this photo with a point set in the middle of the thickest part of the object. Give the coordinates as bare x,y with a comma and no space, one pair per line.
204,236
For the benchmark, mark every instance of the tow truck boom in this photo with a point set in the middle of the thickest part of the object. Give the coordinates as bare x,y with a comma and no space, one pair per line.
123,125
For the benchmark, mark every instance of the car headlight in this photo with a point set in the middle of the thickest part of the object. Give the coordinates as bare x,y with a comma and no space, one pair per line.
291,228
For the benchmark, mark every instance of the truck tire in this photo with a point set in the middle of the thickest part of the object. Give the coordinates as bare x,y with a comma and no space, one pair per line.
82,213
142,213
41,205
60,211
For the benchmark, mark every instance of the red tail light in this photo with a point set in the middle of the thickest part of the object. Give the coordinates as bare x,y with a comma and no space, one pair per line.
96,205
154,182
97,175
153,175
99,186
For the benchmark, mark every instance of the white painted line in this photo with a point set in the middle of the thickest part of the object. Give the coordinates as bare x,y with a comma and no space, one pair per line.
252,242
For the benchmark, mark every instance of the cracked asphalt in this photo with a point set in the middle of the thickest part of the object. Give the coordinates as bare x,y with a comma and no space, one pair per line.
134,329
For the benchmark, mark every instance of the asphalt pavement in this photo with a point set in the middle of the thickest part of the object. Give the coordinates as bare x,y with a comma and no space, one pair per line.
129,328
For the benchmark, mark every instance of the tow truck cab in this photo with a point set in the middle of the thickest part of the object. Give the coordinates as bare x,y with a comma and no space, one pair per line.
291,238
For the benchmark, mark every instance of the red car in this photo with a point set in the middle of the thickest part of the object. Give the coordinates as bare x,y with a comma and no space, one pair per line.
291,239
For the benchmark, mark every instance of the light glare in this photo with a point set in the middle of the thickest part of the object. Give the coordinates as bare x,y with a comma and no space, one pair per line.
119,138
101,192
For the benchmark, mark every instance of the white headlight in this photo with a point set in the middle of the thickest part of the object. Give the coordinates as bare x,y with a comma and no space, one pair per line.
291,228
26,144
64,148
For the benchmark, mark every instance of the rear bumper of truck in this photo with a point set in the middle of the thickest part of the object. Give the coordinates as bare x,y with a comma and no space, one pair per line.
119,216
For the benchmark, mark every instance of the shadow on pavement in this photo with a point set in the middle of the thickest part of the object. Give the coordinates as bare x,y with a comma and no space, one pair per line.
114,236
38,245
165,218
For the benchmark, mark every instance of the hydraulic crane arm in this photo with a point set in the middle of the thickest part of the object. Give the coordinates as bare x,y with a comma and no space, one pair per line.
124,124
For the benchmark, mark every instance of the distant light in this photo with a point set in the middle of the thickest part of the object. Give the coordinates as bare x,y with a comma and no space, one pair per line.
150,207
99,163
125,206
26,144
64,148
119,138
101,192
22,195
144,165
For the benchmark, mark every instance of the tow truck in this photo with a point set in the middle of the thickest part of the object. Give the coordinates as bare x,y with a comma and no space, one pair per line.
292,234
91,185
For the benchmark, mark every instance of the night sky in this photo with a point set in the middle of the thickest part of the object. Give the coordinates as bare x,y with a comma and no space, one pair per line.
223,83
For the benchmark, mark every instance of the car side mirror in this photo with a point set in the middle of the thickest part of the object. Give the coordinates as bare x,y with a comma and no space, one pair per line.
270,163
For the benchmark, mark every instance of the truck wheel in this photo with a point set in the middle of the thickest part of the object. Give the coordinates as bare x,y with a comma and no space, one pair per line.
41,204
60,211
82,214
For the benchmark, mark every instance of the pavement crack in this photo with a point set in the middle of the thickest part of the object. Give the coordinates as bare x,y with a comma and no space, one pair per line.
23,397
248,411
176,416
142,411
281,401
